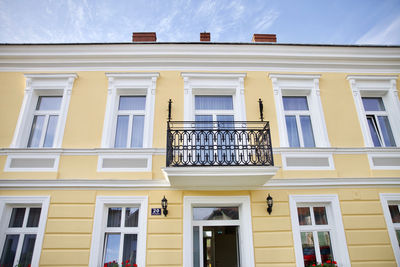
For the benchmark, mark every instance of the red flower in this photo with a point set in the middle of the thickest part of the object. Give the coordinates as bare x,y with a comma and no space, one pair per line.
105,264
314,264
334,262
328,261
134,265
322,264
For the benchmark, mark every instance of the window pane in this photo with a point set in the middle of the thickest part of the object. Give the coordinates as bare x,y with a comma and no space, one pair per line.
114,217
33,218
308,135
325,246
17,217
398,236
207,102
304,215
295,103
307,242
320,215
373,104
132,103
196,247
27,251
9,250
137,131
36,131
111,247
49,103
293,134
373,130
131,217
51,130
130,246
386,131
395,214
121,133
223,213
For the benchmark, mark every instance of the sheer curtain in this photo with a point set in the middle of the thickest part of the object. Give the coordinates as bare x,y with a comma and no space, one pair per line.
220,102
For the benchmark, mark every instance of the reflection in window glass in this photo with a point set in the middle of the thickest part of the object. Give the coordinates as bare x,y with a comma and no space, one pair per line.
137,131
295,103
373,129
293,134
9,250
307,242
320,215
114,217
130,247
51,131
132,103
49,103
111,247
223,213
325,246
122,131
308,135
27,251
387,133
373,104
304,215
33,218
17,217
131,217
36,131
394,213
217,102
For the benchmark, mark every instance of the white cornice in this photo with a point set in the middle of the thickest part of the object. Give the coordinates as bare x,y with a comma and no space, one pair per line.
199,57
294,76
132,75
212,75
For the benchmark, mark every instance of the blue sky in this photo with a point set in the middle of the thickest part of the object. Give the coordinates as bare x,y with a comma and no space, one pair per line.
294,21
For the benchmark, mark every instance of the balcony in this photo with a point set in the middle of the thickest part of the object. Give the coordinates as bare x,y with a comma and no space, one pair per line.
219,154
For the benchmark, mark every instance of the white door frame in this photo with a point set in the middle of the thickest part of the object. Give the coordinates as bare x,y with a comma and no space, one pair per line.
245,229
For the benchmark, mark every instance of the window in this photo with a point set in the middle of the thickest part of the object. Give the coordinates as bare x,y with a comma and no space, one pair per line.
43,113
391,210
130,110
377,103
378,122
300,115
298,121
22,230
119,231
318,230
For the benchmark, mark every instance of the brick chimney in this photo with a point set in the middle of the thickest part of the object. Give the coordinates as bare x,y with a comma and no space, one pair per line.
144,37
261,38
205,37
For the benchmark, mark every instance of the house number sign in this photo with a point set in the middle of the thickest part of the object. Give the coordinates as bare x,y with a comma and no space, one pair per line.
155,211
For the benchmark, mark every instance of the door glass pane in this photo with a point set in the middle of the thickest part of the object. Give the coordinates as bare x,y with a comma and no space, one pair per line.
130,246
36,131
17,217
320,216
208,248
33,218
308,135
373,130
325,246
27,251
121,133
395,214
226,138
49,103
9,250
293,134
132,103
196,247
131,217
111,247
373,104
114,217
50,132
207,102
223,213
387,133
304,215
295,103
137,131
307,242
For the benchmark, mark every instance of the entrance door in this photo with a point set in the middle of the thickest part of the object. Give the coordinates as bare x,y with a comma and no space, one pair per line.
220,246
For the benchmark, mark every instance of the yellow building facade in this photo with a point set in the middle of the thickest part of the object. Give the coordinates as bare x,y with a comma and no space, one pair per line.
90,146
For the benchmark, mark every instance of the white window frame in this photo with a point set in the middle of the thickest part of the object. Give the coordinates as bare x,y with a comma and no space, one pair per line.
196,83
386,199
300,85
376,86
129,84
100,221
246,249
6,205
43,85
338,238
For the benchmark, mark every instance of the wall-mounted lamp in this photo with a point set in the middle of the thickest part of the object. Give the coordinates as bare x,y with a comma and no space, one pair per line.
164,205
270,203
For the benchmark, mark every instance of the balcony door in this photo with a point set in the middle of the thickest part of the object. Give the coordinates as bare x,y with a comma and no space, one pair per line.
214,116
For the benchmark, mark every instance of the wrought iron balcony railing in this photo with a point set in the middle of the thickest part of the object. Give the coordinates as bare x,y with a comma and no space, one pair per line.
227,143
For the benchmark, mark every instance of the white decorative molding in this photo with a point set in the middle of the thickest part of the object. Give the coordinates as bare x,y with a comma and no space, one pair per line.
32,162
307,161
386,199
83,151
200,57
376,86
384,161
124,163
300,85
129,84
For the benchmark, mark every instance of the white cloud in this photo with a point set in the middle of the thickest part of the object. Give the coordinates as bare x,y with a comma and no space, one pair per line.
266,21
384,33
